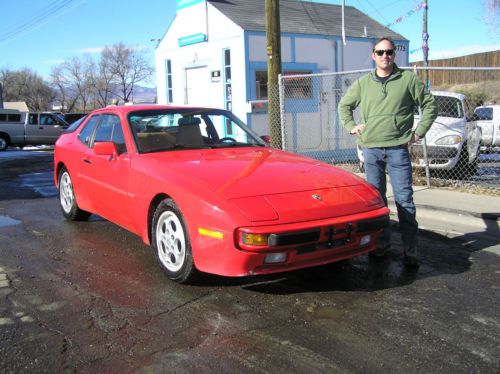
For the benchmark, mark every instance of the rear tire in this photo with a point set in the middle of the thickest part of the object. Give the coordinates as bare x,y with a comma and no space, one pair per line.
171,241
67,199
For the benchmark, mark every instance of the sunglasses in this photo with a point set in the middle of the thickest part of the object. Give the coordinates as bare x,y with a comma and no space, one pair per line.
380,52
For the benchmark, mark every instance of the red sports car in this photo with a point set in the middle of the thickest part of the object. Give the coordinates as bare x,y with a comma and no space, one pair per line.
208,194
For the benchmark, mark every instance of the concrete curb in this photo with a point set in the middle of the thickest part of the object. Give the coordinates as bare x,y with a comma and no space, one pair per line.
482,216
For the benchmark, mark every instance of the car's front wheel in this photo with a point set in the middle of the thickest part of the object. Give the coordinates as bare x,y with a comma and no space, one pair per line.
3,143
171,242
67,199
465,167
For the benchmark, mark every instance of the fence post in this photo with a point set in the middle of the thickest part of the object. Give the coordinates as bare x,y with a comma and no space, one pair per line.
424,143
281,93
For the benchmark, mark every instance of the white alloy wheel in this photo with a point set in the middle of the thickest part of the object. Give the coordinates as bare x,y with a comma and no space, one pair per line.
66,195
170,241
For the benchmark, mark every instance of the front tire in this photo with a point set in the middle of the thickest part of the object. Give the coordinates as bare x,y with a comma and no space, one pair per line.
172,243
465,168
67,200
3,143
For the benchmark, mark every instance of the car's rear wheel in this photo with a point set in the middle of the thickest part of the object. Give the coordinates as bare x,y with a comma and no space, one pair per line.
67,199
172,243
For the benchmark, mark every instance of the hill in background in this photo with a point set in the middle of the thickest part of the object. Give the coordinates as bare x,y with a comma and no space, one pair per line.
144,94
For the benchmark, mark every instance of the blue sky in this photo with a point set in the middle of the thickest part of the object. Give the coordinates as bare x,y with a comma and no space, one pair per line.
40,34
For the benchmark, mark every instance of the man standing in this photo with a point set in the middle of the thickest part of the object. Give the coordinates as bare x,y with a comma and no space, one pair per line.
387,98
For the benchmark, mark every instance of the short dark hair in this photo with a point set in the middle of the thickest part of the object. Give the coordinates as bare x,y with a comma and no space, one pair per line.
382,39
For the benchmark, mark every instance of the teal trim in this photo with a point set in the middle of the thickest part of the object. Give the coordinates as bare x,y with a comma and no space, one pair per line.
181,4
192,39
292,47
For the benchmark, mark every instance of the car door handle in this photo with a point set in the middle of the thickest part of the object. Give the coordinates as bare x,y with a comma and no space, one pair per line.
87,161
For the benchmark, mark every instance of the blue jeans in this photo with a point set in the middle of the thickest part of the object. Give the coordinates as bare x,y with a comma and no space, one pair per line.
396,160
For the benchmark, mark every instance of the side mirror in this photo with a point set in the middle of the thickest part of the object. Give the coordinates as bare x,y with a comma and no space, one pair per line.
266,139
105,149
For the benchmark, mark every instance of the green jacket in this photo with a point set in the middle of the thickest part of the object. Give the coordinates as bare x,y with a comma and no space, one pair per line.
387,109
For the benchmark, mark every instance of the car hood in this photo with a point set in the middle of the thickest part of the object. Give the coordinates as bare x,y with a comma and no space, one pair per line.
445,126
266,183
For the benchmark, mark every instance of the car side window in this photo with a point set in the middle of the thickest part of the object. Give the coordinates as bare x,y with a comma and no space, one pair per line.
86,133
33,119
46,120
110,130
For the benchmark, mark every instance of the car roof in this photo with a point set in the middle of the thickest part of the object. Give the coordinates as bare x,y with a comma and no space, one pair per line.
447,93
489,106
126,109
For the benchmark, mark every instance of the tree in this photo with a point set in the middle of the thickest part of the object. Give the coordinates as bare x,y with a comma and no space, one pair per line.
128,66
74,82
25,85
492,16
102,80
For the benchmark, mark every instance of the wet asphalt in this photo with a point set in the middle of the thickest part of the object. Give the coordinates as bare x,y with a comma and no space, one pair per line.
88,297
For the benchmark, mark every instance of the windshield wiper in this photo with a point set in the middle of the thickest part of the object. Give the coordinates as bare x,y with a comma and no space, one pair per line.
234,144
189,146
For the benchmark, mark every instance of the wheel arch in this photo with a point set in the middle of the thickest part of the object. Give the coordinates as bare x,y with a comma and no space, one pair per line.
151,211
58,169
6,136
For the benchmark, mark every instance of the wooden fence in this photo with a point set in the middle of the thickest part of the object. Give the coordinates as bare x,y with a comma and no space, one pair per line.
448,77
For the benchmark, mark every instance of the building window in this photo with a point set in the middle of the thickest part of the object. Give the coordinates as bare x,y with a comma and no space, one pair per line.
168,69
228,96
296,88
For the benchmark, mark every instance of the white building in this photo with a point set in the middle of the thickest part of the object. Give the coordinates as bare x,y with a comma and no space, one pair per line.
214,51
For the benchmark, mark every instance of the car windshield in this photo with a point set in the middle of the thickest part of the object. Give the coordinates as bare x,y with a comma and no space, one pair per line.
449,106
187,128
485,114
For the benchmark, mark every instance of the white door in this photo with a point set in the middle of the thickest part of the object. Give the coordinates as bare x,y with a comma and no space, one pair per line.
198,86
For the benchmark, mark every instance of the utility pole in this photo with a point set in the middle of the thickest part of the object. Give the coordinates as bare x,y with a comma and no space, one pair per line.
273,43
425,47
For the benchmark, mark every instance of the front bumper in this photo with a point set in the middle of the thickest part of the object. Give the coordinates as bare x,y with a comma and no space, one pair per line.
440,157
331,240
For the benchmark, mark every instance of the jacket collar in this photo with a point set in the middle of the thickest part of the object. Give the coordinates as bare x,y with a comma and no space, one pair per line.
396,72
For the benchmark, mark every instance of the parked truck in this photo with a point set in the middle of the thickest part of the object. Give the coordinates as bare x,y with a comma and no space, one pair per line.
19,128
488,119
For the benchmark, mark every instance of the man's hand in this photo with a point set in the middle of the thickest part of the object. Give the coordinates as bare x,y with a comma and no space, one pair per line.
414,138
357,129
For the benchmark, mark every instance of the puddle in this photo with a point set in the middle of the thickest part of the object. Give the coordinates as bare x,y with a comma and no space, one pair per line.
7,221
42,183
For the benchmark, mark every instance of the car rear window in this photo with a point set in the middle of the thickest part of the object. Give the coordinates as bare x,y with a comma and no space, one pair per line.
484,114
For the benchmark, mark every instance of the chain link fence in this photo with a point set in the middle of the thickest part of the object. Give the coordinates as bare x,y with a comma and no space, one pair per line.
461,150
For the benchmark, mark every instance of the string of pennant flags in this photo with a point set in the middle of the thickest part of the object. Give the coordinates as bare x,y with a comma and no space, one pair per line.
408,14
411,12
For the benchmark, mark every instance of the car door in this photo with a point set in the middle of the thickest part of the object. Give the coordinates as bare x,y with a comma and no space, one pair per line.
33,132
43,128
108,175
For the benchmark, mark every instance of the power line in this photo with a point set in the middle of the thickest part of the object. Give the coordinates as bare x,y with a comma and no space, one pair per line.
45,15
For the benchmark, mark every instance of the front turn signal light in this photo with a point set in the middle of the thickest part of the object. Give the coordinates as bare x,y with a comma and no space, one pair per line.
254,239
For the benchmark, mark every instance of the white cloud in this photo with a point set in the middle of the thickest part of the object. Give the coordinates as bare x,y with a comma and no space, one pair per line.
89,50
457,52
52,62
